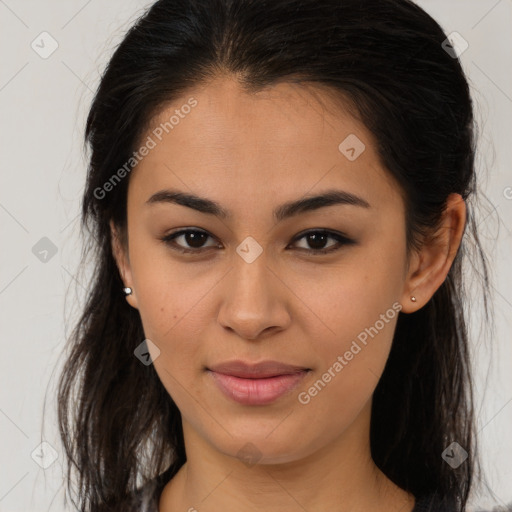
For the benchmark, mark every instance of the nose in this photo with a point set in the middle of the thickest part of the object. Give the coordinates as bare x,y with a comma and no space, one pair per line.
254,300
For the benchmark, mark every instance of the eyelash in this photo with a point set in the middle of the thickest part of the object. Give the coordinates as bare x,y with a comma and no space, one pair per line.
341,239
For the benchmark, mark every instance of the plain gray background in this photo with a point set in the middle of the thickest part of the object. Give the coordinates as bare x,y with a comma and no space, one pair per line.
44,102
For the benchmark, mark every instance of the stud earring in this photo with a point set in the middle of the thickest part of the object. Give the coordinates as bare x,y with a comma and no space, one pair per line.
413,298
127,291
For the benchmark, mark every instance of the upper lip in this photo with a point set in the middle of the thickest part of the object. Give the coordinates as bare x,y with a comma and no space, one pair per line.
261,370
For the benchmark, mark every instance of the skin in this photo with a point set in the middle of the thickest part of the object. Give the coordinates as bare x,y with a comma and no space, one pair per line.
251,153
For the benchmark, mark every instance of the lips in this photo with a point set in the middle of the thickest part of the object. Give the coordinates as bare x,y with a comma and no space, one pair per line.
260,370
256,384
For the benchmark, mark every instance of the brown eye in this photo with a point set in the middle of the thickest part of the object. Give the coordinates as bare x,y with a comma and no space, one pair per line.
317,241
193,238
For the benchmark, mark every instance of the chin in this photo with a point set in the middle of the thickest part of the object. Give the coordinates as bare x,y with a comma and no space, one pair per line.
259,449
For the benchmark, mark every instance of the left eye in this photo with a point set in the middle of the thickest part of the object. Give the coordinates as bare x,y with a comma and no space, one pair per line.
317,239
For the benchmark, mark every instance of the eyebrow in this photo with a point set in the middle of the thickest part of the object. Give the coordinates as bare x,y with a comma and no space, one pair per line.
284,211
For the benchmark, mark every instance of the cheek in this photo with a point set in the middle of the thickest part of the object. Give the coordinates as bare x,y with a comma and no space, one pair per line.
349,367
349,298
171,306
168,293
358,306
354,357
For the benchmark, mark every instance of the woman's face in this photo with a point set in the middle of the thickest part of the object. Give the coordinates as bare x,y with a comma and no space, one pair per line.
249,290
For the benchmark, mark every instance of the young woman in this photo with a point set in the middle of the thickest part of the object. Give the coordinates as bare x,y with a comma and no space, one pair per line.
279,203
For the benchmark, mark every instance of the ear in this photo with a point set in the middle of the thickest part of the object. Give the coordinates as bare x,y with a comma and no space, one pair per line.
429,266
120,253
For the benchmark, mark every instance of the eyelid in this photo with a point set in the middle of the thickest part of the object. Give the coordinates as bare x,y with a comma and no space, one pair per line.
169,240
341,239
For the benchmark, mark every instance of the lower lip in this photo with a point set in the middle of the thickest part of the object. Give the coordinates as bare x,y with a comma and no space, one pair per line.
256,391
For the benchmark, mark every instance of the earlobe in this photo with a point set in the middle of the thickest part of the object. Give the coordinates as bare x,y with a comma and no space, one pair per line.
119,252
409,301
432,262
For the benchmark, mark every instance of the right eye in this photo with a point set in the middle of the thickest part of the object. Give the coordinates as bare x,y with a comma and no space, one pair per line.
193,237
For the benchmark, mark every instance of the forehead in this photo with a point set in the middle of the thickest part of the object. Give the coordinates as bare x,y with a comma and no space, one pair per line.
283,140
280,115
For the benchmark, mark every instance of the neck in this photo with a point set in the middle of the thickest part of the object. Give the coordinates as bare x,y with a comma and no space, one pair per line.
339,476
